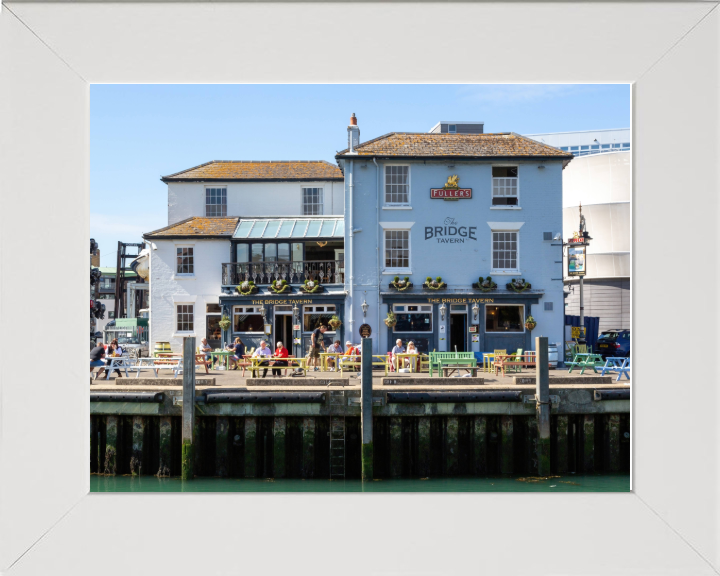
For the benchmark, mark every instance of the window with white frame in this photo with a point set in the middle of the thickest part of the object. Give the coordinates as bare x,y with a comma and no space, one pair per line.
185,317
505,186
504,251
185,260
413,317
397,185
312,201
215,201
505,318
316,316
248,319
397,249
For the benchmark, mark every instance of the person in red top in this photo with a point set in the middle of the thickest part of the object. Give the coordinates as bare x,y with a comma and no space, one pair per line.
280,352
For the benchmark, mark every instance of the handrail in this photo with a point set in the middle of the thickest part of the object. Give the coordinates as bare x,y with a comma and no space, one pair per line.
296,272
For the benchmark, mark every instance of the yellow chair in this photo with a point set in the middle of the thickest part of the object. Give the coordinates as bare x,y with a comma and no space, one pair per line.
496,353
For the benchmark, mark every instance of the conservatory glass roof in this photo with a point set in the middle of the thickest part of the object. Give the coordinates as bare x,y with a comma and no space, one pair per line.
303,227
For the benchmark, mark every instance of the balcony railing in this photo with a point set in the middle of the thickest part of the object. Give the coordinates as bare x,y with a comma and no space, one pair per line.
323,271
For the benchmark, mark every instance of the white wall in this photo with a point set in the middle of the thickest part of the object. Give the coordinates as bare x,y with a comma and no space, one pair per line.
167,289
186,199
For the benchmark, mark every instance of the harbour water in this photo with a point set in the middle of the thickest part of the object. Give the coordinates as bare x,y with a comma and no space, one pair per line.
566,483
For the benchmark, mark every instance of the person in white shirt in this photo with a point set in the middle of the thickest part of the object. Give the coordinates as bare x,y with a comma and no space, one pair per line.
262,351
397,349
338,349
411,350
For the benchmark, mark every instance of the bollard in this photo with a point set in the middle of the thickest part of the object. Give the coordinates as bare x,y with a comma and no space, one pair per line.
366,413
542,402
188,408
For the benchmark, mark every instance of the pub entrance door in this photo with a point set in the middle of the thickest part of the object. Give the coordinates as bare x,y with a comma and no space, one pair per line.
458,328
283,327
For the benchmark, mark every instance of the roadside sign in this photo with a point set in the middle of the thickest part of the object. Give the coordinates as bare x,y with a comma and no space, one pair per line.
577,331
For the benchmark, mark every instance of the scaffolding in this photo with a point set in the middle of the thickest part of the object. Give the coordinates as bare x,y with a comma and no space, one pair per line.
124,257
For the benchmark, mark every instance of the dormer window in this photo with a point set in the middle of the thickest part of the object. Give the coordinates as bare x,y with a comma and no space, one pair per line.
452,128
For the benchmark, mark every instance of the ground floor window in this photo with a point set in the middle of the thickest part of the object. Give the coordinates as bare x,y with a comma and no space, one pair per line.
213,332
185,317
413,318
248,319
316,316
509,318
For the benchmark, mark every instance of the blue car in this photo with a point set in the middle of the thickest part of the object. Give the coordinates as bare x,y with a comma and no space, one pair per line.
614,343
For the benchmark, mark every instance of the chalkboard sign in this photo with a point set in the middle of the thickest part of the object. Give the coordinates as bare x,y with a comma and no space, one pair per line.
365,331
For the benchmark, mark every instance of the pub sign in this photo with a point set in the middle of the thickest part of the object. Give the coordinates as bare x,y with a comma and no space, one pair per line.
577,261
451,190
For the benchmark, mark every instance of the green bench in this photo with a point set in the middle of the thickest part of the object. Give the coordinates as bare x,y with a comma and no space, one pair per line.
439,359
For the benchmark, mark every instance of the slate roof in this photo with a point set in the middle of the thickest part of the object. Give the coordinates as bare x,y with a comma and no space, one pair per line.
258,170
216,227
423,145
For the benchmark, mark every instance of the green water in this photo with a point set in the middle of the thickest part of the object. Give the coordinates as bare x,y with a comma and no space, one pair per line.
569,483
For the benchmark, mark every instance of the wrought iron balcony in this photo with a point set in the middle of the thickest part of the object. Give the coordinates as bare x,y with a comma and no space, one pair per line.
322,271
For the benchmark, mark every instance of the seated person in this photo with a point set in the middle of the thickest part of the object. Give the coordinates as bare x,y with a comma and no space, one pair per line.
337,348
280,352
239,349
205,349
397,349
96,356
113,350
262,352
352,354
411,350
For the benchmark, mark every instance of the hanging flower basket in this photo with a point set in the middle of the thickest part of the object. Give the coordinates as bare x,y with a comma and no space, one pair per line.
518,285
436,284
391,320
279,286
401,285
246,288
485,285
310,287
335,322
530,323
224,323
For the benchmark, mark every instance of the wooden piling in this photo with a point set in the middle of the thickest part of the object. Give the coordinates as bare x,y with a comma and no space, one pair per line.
396,447
138,437
479,444
588,440
561,444
222,429
94,448
423,455
506,444
188,409
451,446
542,399
613,428
250,447
165,434
111,438
308,443
279,426
531,446
366,415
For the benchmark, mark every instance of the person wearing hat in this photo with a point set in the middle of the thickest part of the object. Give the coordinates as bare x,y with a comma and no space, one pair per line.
352,353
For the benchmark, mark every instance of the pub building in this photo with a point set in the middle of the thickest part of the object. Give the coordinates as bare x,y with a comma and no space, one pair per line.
458,208
234,229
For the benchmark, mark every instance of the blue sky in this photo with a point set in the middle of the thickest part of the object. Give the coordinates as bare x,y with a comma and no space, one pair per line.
139,133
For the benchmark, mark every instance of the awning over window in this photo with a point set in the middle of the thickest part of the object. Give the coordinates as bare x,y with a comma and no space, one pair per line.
290,228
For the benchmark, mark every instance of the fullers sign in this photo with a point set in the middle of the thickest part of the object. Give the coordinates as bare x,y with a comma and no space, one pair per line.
451,190
450,232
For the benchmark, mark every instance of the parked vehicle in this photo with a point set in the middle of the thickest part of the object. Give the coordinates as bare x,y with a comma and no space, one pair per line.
132,335
614,343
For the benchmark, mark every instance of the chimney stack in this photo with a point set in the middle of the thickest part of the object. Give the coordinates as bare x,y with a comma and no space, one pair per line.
353,134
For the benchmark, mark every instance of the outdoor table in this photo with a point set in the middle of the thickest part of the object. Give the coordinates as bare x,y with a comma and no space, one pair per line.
455,361
413,365
145,364
448,369
488,359
119,363
584,360
221,357
324,359
255,363
356,360
617,364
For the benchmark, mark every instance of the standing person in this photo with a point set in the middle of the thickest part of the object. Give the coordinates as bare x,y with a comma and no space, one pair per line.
262,352
337,348
238,349
316,342
96,356
280,352
397,349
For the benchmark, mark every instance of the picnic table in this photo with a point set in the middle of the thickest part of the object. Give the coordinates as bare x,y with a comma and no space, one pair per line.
292,362
448,369
416,359
454,362
617,364
586,360
324,359
356,360
220,357
199,361
527,360
118,363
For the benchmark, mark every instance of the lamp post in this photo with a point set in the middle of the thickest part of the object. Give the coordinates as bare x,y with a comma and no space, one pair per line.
262,312
476,311
443,309
583,233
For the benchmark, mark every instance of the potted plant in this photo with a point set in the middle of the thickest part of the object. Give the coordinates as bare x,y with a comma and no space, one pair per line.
335,322
530,323
391,320
401,285
436,284
246,288
279,286
224,323
518,285
310,287
485,285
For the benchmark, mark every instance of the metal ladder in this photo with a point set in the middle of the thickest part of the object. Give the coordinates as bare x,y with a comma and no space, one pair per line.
337,437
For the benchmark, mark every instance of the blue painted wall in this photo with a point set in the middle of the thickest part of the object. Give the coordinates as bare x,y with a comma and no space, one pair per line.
463,260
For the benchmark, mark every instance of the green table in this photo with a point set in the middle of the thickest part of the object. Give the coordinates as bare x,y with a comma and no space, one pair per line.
219,354
586,360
